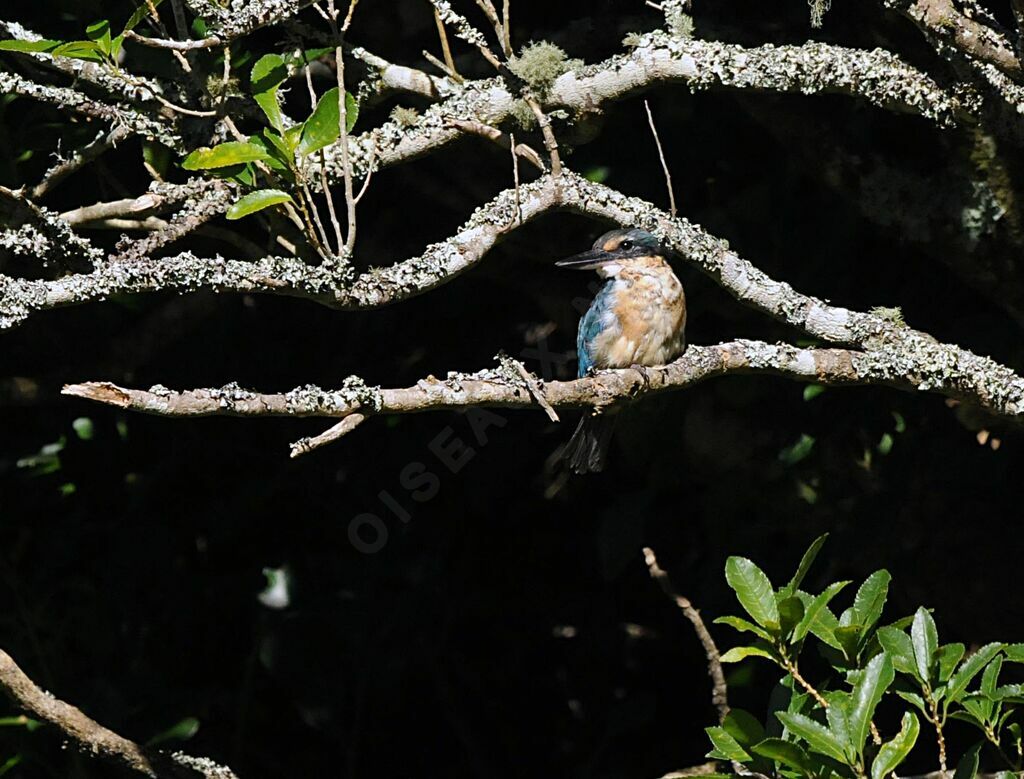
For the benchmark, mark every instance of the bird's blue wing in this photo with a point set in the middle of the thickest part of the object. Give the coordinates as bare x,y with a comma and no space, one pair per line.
592,325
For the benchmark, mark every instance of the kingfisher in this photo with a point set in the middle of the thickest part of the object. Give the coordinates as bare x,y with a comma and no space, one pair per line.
637,319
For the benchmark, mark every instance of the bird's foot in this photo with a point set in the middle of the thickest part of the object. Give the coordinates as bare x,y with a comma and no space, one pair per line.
645,375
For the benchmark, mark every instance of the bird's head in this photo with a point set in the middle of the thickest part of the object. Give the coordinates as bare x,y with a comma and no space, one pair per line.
616,250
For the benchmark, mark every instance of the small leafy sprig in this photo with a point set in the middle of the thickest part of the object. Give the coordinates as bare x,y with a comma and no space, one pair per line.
817,732
279,153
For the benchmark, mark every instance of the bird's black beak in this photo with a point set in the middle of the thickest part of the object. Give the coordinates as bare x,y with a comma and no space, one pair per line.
589,260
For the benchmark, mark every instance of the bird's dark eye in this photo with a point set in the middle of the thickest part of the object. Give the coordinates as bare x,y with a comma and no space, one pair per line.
626,245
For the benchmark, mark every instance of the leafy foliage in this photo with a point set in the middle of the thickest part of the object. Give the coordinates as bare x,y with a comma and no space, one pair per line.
829,730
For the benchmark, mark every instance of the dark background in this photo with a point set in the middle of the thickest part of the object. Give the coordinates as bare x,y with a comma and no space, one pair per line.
510,627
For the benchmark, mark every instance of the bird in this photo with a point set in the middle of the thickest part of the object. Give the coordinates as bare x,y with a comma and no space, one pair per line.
637,319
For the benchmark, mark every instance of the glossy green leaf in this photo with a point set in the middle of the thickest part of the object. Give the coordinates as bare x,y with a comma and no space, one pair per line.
321,128
1014,653
895,751
787,753
725,746
29,46
878,675
1009,692
990,679
80,50
744,626
849,637
870,598
818,737
257,201
754,591
925,639
970,668
744,727
948,657
967,768
805,565
915,699
817,618
738,653
267,75
791,611
899,648
100,33
224,154
138,15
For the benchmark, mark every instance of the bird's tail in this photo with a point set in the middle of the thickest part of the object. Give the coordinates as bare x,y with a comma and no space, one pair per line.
587,450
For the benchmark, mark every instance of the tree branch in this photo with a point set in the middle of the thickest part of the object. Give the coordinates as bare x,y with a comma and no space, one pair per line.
719,690
96,740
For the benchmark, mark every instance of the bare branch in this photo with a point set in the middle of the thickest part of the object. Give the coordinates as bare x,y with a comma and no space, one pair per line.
344,427
175,45
95,739
719,690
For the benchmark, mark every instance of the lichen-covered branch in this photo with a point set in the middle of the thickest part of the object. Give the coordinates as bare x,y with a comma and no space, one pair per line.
902,353
66,98
657,58
96,740
503,388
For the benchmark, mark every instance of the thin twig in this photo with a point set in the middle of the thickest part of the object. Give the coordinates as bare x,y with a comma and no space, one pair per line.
445,48
55,175
506,25
333,433
175,45
664,165
550,143
719,690
515,177
497,136
535,389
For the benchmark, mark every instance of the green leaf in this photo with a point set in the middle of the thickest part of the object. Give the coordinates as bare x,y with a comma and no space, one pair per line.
848,637
1015,653
754,591
182,731
791,455
970,668
725,746
100,33
967,768
818,737
839,714
267,75
744,727
870,598
321,128
787,753
742,625
925,639
805,565
29,46
818,619
257,201
223,155
949,655
791,611
738,653
914,698
899,648
877,676
1014,691
811,391
83,428
990,679
138,15
80,50
894,752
